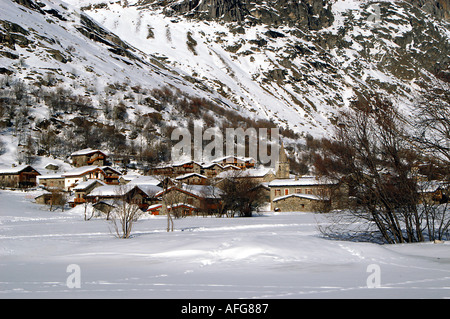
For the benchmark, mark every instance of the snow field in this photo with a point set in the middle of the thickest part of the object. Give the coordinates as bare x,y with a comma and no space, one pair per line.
272,255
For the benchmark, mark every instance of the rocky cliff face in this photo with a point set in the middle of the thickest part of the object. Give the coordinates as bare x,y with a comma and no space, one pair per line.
312,14
438,8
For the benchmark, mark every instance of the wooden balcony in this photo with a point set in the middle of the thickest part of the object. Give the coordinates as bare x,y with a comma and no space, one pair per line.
79,200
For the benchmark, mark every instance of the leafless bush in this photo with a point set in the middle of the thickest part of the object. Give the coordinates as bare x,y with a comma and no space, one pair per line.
124,215
373,154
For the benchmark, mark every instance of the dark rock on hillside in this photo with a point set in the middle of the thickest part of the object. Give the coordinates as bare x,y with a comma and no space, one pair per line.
311,14
438,8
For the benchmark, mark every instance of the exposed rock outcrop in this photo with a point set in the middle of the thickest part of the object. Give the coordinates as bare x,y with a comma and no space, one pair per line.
311,14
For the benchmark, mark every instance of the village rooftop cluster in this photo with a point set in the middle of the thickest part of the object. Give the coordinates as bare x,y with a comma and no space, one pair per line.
193,187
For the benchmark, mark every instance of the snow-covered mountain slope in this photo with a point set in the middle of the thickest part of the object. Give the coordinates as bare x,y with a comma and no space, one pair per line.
65,79
54,37
144,62
297,72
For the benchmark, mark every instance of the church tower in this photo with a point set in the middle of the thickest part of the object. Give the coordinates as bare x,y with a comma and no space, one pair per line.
282,169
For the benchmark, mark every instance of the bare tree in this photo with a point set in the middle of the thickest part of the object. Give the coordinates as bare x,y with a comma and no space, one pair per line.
58,198
434,204
432,138
433,122
240,194
165,200
370,152
125,214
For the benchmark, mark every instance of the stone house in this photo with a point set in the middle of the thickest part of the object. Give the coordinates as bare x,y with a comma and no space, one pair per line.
111,176
259,175
22,176
182,209
88,156
297,202
192,179
82,189
177,169
308,189
105,206
44,198
208,169
75,176
204,198
140,195
143,196
53,181
105,174
211,169
433,192
106,192
241,162
230,167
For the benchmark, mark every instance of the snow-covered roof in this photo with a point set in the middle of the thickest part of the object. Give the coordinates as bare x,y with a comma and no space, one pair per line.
189,175
154,206
179,163
227,166
85,184
209,165
15,170
142,180
108,190
180,205
129,177
50,176
110,202
302,181
251,172
231,157
80,170
83,170
430,186
306,196
86,151
205,191
150,190
104,168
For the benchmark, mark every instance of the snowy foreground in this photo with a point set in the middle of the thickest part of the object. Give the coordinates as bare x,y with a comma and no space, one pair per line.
274,255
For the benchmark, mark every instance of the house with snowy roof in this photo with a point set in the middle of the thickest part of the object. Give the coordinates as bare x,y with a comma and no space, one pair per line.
260,174
241,162
105,174
192,179
51,181
82,189
300,193
204,198
21,176
211,169
176,169
88,156
140,195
